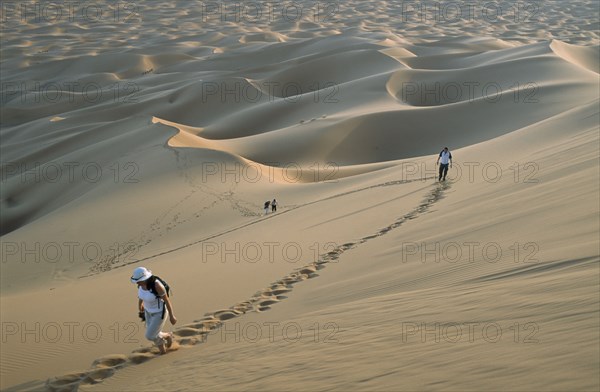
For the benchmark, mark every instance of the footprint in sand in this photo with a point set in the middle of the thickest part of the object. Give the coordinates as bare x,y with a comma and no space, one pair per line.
67,382
268,302
110,361
138,358
98,375
143,350
308,270
226,314
211,323
185,332
192,341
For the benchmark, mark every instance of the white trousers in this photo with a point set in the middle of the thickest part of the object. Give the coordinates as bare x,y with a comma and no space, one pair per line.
154,325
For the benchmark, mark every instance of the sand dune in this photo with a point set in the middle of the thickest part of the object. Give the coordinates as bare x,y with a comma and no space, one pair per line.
154,135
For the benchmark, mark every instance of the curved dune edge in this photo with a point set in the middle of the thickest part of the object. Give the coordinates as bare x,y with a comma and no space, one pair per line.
197,332
188,137
356,129
585,57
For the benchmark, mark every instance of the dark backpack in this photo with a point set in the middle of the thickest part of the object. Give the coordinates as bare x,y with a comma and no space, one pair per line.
167,289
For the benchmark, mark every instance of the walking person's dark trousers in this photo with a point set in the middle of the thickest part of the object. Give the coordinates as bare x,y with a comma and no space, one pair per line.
443,171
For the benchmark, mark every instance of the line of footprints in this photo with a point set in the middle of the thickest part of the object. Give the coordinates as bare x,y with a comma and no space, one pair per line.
197,331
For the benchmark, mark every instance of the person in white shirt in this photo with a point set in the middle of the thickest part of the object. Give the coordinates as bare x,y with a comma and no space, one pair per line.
154,308
444,159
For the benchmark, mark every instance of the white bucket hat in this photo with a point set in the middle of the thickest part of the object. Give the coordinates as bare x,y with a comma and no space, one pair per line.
140,274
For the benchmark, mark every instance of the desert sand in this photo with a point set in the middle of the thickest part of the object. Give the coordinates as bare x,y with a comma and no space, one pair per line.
150,134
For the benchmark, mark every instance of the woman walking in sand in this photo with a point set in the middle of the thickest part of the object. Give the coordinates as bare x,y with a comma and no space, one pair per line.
154,306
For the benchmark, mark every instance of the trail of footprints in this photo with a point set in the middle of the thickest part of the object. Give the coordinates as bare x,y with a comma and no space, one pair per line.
197,331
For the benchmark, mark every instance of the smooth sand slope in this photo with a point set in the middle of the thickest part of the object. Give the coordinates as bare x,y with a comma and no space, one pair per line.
371,275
